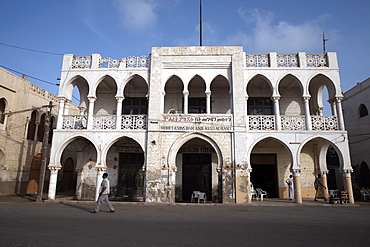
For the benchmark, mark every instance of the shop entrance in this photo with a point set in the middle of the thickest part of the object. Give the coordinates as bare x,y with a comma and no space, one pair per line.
196,175
131,177
264,173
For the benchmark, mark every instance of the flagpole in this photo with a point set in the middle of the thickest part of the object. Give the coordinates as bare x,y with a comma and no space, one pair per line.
200,29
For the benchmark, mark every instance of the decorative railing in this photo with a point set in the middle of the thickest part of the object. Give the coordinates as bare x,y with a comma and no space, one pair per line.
261,122
81,62
74,122
257,60
108,62
287,60
316,60
104,122
137,62
293,123
134,122
324,123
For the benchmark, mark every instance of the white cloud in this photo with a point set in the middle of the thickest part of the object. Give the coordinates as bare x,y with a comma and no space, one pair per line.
282,36
137,14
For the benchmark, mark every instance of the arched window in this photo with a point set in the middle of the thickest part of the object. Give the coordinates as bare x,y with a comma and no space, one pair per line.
363,111
32,126
41,130
2,110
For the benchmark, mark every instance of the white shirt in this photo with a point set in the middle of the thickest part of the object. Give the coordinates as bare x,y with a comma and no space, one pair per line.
105,183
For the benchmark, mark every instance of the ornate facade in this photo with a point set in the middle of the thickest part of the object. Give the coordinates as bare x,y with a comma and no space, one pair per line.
210,119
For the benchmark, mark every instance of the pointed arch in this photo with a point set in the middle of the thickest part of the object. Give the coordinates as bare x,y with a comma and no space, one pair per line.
174,92
291,91
220,95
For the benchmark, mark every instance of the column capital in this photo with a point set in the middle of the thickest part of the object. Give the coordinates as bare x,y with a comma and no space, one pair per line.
208,93
100,169
120,98
306,98
324,173
163,93
61,99
54,169
185,93
346,172
275,98
297,172
91,98
338,98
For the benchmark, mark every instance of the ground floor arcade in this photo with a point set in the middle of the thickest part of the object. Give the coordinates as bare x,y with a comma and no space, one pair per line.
169,166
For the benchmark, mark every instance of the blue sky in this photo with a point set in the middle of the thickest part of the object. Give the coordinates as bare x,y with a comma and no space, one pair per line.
122,28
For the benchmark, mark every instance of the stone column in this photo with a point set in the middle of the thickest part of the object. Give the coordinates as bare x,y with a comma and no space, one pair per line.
246,113
79,183
60,112
348,184
307,113
119,112
333,106
242,184
90,112
53,182
186,102
35,138
277,112
297,185
340,113
99,179
321,110
82,110
324,181
208,104
67,106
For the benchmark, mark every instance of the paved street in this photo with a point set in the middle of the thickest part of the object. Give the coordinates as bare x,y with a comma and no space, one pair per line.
72,224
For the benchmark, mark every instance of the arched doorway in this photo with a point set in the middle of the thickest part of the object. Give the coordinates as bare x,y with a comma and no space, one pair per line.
68,181
126,168
33,179
196,163
365,176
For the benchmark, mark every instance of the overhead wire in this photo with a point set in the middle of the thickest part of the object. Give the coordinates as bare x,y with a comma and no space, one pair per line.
27,49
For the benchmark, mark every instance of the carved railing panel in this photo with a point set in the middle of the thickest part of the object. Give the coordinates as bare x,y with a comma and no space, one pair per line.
108,62
74,122
104,122
261,122
324,123
81,62
257,60
134,122
293,122
316,60
137,62
287,60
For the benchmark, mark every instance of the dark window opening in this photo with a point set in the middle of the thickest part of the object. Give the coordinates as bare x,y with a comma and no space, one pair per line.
197,105
260,106
2,111
363,111
135,106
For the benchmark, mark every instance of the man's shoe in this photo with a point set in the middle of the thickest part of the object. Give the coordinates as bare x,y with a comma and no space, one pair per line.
112,211
94,212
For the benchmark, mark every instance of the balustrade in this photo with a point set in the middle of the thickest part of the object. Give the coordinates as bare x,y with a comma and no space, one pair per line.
324,123
293,122
74,122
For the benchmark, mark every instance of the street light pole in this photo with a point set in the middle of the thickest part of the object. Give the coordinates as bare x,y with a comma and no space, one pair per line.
44,154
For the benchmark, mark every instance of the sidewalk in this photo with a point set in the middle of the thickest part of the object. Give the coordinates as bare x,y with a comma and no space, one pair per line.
270,202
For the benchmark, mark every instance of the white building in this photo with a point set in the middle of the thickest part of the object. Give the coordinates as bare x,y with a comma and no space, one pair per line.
356,107
209,119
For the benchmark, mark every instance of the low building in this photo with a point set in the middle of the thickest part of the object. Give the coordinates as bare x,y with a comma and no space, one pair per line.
209,119
356,107
23,111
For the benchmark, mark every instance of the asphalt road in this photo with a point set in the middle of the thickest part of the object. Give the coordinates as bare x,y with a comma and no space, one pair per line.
72,224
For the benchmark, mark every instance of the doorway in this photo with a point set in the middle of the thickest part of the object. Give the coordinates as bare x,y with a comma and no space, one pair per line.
196,175
131,177
264,173
33,180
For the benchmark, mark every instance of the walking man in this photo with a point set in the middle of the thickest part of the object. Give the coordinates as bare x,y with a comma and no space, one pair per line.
289,181
103,195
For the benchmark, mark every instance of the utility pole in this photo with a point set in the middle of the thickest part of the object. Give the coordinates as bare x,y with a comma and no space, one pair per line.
45,153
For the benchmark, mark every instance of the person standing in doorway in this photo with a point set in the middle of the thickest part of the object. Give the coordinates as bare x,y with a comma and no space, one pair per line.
289,181
319,189
103,195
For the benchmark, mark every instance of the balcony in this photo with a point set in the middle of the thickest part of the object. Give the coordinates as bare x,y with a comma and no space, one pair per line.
292,123
106,122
